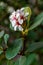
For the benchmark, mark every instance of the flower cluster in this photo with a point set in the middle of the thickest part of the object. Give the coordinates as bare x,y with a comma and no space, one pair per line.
17,18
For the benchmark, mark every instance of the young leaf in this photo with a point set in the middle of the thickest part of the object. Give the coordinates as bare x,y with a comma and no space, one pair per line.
11,27
1,33
14,50
38,20
6,37
28,10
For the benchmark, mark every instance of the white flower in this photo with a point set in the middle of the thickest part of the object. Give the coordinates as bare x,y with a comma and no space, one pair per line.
17,18
18,27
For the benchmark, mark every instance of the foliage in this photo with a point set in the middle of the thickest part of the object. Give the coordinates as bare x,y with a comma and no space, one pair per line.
21,47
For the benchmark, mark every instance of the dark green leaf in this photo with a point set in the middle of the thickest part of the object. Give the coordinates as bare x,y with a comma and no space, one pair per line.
38,20
34,46
10,62
23,60
30,59
14,50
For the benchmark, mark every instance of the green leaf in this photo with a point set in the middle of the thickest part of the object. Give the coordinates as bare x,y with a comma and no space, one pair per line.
36,62
38,20
28,9
6,37
23,60
14,50
32,35
1,33
30,58
1,50
34,46
10,62
11,27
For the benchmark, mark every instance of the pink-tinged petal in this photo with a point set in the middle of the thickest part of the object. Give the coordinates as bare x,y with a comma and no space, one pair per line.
12,15
20,28
17,15
20,21
23,13
18,11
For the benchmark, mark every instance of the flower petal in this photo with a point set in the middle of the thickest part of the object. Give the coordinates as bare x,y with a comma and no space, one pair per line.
18,11
10,17
17,15
13,23
14,13
20,28
22,9
20,21
15,27
22,13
